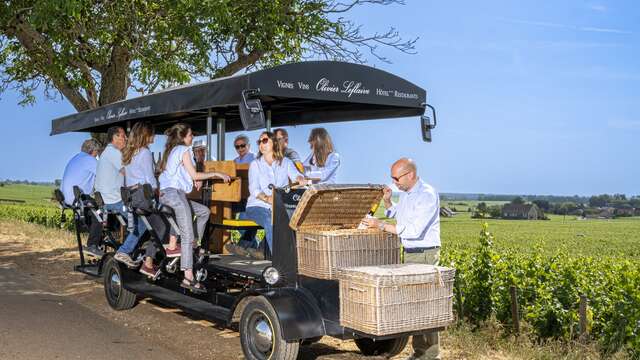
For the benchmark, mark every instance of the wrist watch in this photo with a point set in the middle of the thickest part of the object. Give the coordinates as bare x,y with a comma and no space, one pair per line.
381,225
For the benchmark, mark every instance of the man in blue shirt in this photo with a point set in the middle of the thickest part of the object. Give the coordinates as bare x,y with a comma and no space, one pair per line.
81,171
243,148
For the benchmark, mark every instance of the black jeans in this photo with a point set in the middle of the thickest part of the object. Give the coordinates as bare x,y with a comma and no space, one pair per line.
95,229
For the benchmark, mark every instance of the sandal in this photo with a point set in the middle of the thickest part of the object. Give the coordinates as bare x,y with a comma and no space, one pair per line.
194,286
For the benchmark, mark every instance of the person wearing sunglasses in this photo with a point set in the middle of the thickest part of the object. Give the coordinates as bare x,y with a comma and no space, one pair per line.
270,167
245,156
417,215
323,162
283,138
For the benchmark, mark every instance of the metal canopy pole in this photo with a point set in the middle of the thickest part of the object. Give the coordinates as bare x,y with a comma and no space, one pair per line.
221,133
268,120
209,130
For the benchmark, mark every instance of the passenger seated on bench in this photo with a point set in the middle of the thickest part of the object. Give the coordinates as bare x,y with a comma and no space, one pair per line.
247,237
110,174
138,165
323,162
243,148
176,181
81,171
283,139
270,167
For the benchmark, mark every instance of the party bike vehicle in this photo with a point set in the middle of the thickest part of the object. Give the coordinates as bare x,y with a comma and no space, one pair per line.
299,293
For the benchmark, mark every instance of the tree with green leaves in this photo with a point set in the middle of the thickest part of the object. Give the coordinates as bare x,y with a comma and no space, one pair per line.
95,52
518,200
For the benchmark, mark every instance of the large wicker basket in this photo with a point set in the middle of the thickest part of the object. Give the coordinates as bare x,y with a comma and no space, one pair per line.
327,238
392,299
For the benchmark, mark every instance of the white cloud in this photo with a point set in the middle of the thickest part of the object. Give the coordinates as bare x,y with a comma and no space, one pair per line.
598,7
605,30
566,26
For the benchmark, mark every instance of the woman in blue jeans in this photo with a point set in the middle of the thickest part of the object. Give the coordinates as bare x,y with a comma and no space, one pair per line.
176,181
269,168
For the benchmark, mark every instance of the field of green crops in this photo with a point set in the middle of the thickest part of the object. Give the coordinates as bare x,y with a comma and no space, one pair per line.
551,263
618,238
31,194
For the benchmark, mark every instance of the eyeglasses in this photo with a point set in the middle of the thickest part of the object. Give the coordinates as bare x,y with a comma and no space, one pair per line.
240,146
397,178
263,140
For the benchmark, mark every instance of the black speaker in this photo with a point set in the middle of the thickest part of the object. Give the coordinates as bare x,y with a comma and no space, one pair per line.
251,114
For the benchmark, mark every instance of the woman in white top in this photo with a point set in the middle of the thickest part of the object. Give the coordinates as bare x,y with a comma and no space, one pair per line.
323,162
176,181
138,165
269,168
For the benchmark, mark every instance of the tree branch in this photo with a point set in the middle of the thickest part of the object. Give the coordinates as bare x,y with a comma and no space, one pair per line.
43,55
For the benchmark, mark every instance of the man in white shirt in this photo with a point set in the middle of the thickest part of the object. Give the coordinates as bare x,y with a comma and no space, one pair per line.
110,172
417,215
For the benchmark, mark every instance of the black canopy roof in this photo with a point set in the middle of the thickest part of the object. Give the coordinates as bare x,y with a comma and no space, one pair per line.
299,93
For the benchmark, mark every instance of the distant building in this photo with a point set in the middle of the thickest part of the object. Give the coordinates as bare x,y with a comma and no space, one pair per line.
602,213
624,211
522,211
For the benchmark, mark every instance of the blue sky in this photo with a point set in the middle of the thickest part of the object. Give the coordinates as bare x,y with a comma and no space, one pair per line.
532,98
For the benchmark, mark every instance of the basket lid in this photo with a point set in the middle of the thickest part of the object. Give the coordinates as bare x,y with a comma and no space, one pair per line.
398,274
335,205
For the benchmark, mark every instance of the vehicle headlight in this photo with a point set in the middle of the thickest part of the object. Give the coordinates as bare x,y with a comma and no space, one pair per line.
271,275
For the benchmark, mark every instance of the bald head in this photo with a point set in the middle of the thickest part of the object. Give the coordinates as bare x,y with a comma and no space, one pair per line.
405,164
404,173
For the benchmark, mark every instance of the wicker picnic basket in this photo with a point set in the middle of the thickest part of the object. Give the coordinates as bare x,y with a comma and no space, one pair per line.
391,299
327,238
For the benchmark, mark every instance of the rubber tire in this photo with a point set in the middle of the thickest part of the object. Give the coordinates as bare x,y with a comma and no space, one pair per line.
282,349
125,299
387,348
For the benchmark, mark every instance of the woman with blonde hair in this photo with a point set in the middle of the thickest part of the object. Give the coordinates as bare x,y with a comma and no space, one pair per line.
138,164
176,181
270,167
323,162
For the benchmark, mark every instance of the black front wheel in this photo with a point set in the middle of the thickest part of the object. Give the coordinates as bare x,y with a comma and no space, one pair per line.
387,348
117,296
261,334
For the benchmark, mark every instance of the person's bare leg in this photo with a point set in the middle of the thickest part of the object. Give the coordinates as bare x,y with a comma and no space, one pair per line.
188,274
173,242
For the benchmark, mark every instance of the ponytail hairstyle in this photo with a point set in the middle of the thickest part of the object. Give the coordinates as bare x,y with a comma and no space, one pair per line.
175,136
278,154
141,136
322,145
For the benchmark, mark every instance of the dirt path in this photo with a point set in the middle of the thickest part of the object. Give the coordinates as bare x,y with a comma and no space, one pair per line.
50,267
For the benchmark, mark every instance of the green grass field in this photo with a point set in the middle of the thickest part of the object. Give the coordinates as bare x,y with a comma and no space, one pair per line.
618,238
31,194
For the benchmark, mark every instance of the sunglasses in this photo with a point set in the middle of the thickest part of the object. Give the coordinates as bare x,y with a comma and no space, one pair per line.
397,178
240,146
263,140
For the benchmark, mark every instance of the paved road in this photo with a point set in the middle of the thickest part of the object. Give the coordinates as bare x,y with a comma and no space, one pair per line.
36,324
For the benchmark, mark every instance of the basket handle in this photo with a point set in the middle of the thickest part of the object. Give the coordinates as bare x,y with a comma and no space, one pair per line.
310,239
439,278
